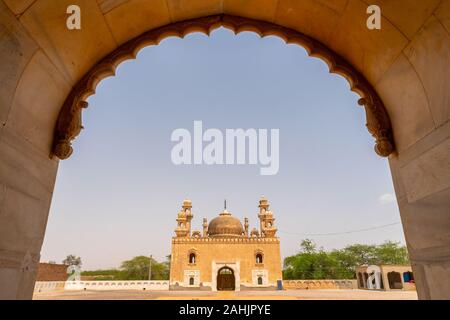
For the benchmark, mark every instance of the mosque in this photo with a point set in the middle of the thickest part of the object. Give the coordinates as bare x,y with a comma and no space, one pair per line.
225,255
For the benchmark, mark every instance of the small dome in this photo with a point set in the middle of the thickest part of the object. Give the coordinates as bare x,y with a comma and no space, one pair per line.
225,225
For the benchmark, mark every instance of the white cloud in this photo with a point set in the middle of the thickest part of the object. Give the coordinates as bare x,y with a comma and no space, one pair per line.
387,198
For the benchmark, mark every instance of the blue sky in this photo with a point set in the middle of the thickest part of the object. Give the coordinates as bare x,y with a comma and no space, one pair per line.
119,194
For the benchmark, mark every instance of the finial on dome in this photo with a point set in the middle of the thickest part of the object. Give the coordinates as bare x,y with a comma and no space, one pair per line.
225,211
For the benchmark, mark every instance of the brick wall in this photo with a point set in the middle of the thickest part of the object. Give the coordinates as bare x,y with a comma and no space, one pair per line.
52,272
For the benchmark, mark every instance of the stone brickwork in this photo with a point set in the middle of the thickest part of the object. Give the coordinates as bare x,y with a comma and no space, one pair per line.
52,272
319,284
212,252
252,258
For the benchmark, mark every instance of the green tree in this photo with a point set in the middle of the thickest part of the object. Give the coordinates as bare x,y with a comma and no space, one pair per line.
311,263
308,246
134,269
138,269
167,266
355,255
358,254
111,274
72,260
391,253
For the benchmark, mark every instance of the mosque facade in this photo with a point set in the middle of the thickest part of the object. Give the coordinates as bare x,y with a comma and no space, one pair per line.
225,255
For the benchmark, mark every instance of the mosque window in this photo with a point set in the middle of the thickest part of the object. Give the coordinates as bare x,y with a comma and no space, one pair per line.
192,258
259,258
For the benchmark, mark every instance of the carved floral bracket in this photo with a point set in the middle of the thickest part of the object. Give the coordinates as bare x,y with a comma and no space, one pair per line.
69,123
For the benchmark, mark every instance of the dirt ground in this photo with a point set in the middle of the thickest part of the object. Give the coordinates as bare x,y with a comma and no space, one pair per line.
245,295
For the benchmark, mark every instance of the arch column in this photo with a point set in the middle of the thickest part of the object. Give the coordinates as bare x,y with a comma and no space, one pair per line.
421,178
30,91
415,91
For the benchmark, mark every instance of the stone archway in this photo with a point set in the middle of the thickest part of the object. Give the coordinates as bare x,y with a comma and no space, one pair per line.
69,122
407,63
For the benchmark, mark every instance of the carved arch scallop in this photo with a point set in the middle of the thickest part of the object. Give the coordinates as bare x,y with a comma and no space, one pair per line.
69,123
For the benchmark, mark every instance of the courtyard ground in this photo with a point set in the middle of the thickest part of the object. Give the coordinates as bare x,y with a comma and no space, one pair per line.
245,295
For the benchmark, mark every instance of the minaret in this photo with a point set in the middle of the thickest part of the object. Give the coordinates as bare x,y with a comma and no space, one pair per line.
246,225
266,219
184,220
187,206
205,227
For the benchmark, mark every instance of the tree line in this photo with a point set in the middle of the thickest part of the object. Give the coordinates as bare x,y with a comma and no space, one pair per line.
309,263
313,263
137,268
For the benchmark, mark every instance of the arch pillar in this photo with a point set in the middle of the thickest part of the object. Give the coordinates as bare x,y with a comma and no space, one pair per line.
30,91
421,176
421,169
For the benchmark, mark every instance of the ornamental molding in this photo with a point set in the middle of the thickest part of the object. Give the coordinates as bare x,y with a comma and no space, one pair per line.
69,123
231,240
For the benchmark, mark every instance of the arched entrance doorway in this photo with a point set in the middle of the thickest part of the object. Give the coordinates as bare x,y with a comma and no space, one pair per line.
395,280
225,279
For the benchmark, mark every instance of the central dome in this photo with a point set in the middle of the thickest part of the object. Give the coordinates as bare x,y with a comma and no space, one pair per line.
225,225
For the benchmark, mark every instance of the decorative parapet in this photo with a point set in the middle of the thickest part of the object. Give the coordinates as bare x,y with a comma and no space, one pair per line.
118,285
51,286
226,240
319,284
69,123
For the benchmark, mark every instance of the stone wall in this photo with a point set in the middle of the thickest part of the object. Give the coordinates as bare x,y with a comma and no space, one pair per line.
49,286
118,285
51,272
319,284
